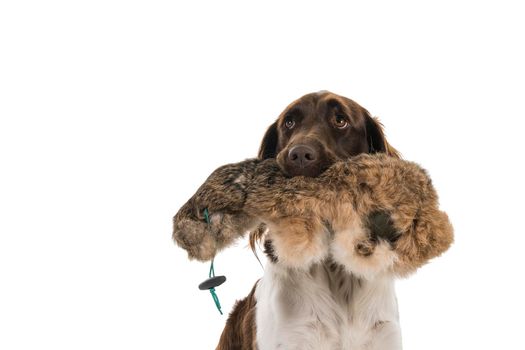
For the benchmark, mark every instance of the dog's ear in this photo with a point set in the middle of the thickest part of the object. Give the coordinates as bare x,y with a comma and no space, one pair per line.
376,139
269,143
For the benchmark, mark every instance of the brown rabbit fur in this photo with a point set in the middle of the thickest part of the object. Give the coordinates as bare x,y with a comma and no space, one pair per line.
328,216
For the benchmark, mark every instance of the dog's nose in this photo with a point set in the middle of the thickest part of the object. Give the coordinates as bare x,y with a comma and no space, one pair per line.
302,156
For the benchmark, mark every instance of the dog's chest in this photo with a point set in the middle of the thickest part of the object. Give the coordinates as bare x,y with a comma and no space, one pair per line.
324,308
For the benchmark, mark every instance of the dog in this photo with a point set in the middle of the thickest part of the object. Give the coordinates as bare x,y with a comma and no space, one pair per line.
325,306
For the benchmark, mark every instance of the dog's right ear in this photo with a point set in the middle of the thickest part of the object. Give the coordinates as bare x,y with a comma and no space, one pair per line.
269,143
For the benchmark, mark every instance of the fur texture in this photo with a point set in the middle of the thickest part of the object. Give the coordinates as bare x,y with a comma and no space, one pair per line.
240,330
315,218
325,308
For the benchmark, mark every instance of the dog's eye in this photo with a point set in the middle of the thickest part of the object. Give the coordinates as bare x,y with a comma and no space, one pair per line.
340,122
289,123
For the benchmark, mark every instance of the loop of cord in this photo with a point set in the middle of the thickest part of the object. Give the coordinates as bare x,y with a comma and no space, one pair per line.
212,269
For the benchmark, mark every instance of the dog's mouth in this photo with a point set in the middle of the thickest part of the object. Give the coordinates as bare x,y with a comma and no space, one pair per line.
311,171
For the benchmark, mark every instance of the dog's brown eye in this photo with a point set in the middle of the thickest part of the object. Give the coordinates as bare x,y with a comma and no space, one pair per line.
289,123
340,122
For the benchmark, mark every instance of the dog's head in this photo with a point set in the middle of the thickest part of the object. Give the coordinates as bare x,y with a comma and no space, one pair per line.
318,129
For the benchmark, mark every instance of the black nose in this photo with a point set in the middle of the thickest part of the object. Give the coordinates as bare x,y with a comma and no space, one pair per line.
302,156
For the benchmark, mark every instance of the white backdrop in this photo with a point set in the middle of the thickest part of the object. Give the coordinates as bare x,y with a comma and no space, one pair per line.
114,112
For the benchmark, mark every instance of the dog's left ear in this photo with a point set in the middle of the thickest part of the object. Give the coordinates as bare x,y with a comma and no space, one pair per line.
268,147
376,139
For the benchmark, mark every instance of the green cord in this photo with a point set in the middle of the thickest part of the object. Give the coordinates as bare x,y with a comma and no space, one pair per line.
212,269
216,299
207,216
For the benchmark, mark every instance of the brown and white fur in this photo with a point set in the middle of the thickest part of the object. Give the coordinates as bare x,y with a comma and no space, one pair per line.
340,225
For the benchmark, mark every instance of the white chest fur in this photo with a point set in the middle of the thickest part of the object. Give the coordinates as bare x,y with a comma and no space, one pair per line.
325,308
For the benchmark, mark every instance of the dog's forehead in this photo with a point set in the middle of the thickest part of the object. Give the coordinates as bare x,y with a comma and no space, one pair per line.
324,98
319,97
314,100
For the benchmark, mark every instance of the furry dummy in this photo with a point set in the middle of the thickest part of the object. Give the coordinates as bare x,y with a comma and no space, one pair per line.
373,214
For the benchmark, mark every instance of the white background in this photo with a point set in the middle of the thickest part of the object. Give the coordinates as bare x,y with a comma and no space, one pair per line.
114,112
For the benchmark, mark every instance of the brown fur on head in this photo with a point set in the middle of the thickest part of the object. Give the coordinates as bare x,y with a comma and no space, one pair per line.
317,130
329,127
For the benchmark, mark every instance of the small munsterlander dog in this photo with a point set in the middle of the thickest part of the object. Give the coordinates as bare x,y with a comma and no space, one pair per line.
340,225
